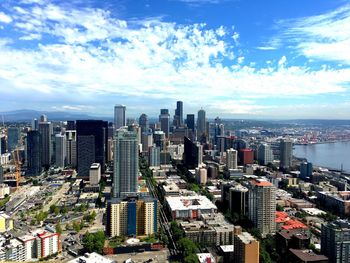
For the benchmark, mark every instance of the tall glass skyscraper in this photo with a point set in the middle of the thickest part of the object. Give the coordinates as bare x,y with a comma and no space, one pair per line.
143,122
45,129
201,123
178,118
12,138
92,139
126,162
33,153
119,116
164,119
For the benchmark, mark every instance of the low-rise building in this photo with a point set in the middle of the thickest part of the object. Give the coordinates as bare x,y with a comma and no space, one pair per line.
189,207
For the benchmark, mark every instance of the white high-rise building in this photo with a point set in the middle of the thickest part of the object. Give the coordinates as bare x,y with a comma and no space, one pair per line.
262,206
154,156
119,116
126,162
71,148
231,159
265,154
95,174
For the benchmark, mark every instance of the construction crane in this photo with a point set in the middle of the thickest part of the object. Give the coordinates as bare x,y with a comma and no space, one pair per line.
18,164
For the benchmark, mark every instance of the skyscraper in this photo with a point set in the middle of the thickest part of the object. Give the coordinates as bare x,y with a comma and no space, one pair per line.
126,162
71,147
45,129
246,248
35,124
265,154
154,156
193,154
119,116
12,138
305,170
43,118
335,241
33,146
91,150
164,119
231,159
286,150
201,123
2,144
60,151
143,122
262,206
190,121
178,118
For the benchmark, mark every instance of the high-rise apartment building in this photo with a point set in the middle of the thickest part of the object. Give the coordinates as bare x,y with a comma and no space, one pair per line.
143,122
154,156
286,153
46,131
71,147
201,123
146,140
262,206
178,117
12,138
246,248
92,141
265,154
33,147
119,116
231,159
126,162
95,174
132,216
60,151
164,119
335,241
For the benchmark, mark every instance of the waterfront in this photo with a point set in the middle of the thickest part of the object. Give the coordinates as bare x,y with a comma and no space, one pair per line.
330,155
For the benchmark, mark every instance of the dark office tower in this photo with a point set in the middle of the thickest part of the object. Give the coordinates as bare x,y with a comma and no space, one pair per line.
143,122
35,124
12,138
70,125
286,149
33,153
335,241
164,119
190,121
126,162
178,118
201,123
2,144
159,139
192,154
119,116
1,175
45,129
85,151
43,118
306,170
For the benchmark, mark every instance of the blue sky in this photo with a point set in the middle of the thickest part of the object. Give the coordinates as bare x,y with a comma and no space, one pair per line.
234,58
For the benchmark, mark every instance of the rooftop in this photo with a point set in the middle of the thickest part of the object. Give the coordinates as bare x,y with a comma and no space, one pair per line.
91,258
246,237
261,182
189,202
307,255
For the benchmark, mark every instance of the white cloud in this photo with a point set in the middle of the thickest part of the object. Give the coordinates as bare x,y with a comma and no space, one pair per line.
323,37
5,18
102,60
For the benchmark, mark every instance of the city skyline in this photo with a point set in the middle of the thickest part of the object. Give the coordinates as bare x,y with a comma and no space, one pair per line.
234,59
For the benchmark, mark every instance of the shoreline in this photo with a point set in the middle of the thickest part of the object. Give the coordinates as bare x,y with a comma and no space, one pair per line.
325,142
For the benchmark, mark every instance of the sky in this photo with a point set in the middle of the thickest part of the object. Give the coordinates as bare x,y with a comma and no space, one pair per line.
255,59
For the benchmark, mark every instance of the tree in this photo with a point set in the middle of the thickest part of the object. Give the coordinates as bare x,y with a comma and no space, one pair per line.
76,226
176,231
187,246
279,207
58,228
94,242
64,210
191,259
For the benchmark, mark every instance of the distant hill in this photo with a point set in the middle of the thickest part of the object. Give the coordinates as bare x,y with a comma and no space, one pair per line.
28,115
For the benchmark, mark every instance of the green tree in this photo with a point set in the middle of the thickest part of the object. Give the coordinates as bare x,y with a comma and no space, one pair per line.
94,242
187,246
76,226
176,231
58,228
64,210
192,258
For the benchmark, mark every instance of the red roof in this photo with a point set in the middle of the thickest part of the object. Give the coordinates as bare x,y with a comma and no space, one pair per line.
260,183
288,223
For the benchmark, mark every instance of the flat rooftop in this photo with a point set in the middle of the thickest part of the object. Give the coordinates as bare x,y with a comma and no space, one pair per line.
189,202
